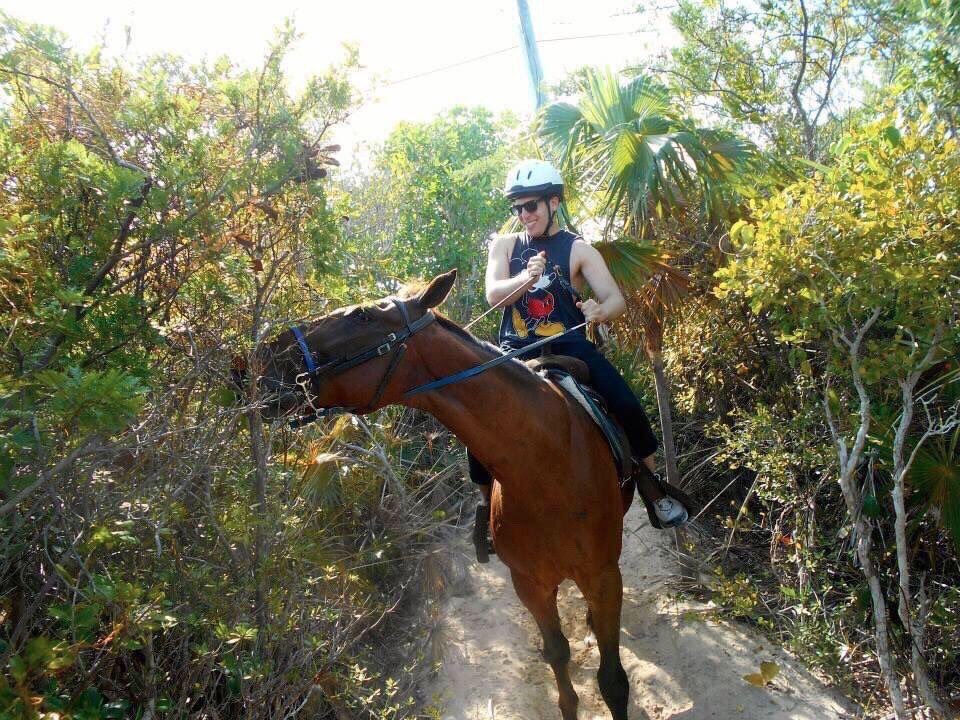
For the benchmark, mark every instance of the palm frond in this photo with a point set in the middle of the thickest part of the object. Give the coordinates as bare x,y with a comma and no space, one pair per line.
558,125
631,263
935,475
628,146
603,102
647,97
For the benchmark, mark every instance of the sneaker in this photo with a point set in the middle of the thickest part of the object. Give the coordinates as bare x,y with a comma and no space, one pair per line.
670,513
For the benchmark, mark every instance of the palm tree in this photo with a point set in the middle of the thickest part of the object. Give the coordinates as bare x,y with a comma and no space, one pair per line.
632,156
631,160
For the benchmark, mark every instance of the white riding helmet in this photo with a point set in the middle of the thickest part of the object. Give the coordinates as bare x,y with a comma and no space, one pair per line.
533,177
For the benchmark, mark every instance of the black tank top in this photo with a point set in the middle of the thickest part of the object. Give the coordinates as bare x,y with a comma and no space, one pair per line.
549,307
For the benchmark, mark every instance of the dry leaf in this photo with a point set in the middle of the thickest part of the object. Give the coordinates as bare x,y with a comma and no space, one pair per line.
755,679
769,670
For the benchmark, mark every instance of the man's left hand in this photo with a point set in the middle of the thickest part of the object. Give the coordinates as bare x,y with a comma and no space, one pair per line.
592,311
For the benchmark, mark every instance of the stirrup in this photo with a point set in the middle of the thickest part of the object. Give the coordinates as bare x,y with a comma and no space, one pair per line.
481,539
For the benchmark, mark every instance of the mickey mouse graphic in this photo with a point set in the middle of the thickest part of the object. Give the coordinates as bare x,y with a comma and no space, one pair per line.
538,303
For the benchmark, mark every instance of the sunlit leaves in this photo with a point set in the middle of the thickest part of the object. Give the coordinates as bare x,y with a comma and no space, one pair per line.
428,203
878,230
145,211
776,72
632,154
92,400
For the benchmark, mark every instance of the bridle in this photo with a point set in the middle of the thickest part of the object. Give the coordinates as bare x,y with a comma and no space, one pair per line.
394,343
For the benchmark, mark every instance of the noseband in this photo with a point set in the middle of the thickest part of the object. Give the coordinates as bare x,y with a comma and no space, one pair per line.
394,343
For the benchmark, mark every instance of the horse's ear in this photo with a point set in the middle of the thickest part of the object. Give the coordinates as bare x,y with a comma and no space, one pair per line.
438,289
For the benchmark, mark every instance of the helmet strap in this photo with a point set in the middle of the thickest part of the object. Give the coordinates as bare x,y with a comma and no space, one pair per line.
550,216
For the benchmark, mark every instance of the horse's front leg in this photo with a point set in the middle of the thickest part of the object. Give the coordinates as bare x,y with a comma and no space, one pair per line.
541,601
604,595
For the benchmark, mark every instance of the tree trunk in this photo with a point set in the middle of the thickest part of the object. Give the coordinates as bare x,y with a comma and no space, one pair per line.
666,417
863,534
259,453
914,624
850,458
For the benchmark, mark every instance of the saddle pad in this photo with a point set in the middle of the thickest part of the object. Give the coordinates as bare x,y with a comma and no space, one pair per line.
616,438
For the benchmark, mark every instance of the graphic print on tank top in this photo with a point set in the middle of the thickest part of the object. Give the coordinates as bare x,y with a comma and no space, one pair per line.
539,304
548,308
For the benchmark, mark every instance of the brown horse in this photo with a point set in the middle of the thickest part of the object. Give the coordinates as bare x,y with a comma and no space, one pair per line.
557,508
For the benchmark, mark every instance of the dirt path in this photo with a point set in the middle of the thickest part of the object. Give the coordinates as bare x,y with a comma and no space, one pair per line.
679,668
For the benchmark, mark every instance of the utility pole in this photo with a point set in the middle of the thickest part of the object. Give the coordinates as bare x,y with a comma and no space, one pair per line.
529,43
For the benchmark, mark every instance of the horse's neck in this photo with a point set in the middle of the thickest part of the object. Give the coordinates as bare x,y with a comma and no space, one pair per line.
487,412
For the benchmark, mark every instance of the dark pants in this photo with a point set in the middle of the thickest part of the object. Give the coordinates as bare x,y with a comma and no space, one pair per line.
607,381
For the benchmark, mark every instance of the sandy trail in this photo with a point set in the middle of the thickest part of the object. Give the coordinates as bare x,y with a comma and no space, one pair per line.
679,668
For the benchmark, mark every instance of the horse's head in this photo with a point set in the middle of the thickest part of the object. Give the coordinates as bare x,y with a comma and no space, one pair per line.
343,359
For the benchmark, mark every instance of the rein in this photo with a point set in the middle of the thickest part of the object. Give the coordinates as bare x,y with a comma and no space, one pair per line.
477,369
394,342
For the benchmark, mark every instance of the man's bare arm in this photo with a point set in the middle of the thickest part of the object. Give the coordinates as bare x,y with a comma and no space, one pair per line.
609,304
500,287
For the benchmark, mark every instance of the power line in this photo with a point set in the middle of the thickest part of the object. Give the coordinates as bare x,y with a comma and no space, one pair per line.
599,35
501,51
450,67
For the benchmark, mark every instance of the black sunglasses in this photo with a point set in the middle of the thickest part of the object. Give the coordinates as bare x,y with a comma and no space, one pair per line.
530,206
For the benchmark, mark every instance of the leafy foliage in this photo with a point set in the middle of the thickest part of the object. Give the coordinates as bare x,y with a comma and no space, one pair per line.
428,202
630,154
875,231
155,222
936,476
786,72
163,554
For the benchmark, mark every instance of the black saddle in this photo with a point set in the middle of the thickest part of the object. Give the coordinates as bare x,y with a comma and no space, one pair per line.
573,376
577,368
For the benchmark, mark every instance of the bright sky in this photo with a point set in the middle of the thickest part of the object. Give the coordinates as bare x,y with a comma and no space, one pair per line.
415,39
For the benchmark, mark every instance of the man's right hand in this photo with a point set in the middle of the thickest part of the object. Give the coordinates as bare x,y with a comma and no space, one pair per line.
536,265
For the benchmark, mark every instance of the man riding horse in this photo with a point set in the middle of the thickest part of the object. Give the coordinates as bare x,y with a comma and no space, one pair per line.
535,276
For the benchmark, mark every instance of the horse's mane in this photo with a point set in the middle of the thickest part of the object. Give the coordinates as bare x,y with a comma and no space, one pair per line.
415,287
465,334
512,364
411,288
